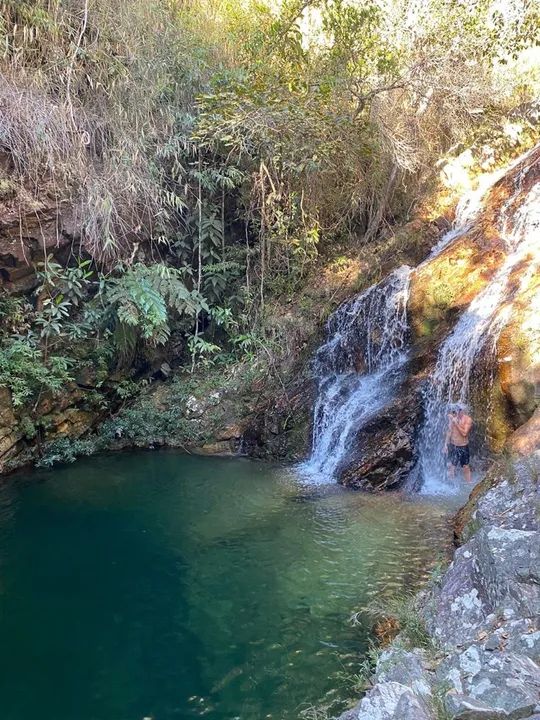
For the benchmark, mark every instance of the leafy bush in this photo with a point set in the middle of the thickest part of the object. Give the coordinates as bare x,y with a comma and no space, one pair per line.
24,372
140,301
67,450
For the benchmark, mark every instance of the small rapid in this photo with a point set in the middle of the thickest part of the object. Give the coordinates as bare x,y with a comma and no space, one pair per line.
358,369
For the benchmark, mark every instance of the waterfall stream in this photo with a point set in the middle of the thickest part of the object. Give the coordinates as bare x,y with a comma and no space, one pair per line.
358,369
477,331
470,205
361,365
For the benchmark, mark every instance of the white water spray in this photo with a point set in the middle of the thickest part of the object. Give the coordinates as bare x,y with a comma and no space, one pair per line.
477,331
470,205
358,370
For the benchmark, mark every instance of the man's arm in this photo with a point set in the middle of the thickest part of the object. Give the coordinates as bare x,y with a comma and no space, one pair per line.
464,426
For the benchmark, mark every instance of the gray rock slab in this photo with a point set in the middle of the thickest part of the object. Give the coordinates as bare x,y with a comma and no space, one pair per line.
393,701
506,683
513,502
408,667
497,573
463,707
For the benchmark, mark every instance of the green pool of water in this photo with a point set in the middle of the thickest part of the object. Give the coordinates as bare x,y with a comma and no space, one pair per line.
167,586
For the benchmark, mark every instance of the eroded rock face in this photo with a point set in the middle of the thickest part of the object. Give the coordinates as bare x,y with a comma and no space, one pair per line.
407,667
30,229
503,683
518,353
67,415
384,451
508,486
527,437
496,574
390,700
10,436
445,285
505,376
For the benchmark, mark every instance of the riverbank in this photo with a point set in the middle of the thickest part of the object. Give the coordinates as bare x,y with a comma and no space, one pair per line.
476,654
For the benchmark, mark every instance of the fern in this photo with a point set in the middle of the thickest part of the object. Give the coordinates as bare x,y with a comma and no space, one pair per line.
142,300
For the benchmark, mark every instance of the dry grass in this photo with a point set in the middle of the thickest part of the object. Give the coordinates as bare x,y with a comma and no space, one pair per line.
88,92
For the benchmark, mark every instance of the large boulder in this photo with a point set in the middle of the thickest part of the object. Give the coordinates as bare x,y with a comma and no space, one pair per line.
490,685
384,450
526,439
507,496
392,700
494,577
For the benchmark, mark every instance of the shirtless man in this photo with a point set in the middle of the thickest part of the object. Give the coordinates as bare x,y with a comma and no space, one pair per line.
456,446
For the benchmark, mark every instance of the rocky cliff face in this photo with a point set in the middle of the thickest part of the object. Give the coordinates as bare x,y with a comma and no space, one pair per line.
31,228
270,417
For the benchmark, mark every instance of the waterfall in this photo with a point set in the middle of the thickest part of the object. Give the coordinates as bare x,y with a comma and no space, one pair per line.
358,370
477,331
470,205
467,210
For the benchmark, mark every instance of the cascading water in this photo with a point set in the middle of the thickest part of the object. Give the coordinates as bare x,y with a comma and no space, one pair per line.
470,205
358,370
468,208
477,331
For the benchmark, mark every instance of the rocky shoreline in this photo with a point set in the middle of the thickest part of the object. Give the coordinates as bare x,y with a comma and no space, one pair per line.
479,659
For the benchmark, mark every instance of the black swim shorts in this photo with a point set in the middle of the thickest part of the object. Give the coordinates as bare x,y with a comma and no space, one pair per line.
458,454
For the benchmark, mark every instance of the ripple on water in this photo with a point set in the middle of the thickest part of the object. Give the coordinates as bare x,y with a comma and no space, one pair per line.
168,586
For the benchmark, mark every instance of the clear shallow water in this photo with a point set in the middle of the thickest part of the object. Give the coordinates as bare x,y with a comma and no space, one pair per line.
167,586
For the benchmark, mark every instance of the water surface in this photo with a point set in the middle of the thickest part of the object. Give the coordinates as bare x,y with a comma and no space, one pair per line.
168,586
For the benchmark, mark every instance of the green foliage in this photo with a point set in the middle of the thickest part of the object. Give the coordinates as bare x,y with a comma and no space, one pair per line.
202,351
214,151
66,450
216,114
140,301
440,691
438,570
145,424
443,294
25,373
27,427
15,313
360,680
